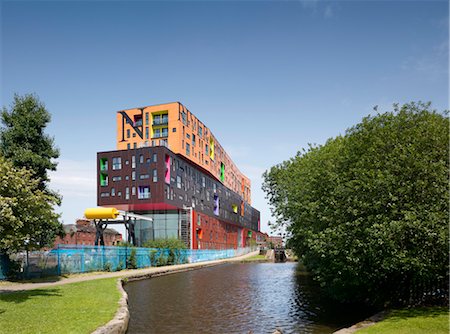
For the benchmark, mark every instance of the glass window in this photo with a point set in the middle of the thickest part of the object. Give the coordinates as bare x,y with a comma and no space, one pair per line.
188,149
155,175
146,133
128,133
141,159
133,191
174,129
113,192
193,140
103,164
164,132
146,120
157,133
143,192
133,161
104,179
155,157
178,181
134,145
128,146
127,193
117,163
133,175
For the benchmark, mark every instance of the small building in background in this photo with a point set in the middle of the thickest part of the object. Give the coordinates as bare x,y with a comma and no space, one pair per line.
83,233
261,239
275,241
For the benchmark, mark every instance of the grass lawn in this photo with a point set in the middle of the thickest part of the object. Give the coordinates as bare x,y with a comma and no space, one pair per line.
255,258
413,321
71,308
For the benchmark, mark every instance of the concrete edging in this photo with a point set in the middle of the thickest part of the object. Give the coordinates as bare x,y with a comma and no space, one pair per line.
363,324
119,324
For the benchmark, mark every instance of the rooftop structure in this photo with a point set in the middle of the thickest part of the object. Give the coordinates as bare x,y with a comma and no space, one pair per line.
174,126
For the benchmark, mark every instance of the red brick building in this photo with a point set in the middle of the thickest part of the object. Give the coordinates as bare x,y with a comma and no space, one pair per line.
83,233
276,241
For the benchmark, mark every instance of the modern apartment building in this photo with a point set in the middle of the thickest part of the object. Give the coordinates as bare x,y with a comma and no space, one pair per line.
169,166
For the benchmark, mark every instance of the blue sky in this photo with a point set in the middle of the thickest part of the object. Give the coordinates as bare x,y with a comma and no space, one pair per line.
268,77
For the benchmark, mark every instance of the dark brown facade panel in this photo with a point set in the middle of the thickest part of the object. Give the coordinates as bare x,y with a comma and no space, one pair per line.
189,185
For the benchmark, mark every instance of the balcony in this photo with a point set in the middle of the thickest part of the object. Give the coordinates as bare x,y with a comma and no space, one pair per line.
160,121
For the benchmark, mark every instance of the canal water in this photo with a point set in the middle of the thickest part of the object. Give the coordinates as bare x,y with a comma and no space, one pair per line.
236,298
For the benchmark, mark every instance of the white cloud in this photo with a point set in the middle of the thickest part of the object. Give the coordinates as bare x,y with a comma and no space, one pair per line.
76,182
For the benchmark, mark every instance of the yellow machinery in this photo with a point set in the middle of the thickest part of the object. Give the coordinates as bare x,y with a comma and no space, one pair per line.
104,216
101,213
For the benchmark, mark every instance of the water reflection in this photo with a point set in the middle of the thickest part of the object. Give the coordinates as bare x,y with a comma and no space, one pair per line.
236,298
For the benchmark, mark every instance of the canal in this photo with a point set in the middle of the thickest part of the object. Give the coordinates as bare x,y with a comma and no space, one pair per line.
236,298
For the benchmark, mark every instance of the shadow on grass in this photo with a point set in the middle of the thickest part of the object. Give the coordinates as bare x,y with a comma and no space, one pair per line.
49,279
22,296
428,312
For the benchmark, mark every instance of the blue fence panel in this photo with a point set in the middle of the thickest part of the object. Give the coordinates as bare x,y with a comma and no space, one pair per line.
4,266
69,259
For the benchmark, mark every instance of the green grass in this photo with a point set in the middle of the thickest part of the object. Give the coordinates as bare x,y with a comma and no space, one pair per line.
413,321
254,258
72,308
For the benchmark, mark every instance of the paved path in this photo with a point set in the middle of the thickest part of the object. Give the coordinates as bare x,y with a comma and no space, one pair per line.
14,286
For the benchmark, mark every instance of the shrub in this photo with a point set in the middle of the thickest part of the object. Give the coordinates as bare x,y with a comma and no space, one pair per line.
107,266
119,266
368,211
172,243
132,261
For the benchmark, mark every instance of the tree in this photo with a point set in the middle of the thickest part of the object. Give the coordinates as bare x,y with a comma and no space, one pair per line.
368,211
26,211
23,141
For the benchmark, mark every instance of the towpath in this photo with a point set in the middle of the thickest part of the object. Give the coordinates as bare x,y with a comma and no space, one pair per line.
145,272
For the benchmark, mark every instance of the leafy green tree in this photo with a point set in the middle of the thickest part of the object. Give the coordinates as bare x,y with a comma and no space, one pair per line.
26,211
23,141
368,211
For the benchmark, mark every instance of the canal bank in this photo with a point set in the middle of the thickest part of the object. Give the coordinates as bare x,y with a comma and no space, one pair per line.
120,320
237,298
119,324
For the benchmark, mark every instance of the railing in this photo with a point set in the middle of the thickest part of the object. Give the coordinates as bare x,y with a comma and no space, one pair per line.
158,121
68,259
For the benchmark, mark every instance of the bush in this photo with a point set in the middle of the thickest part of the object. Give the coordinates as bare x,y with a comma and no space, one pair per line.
165,243
173,246
368,211
119,266
132,261
107,266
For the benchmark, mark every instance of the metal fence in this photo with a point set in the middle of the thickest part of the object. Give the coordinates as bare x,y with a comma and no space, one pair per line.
69,259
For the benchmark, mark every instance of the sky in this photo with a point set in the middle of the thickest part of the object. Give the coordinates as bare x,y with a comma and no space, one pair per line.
267,77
